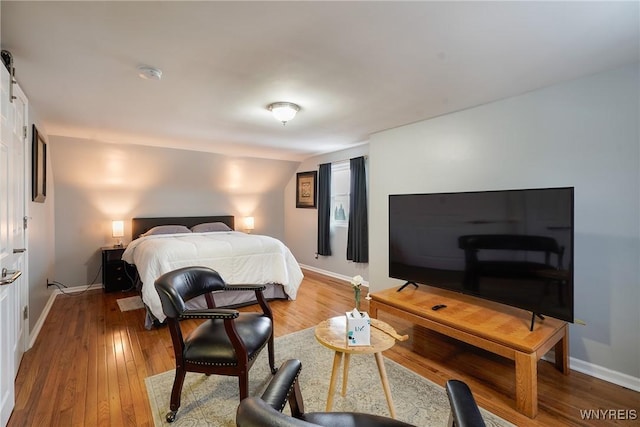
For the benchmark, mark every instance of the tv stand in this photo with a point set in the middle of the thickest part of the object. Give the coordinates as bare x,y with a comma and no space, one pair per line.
407,284
494,327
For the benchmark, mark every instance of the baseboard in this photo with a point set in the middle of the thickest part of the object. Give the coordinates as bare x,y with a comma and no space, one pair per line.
43,316
325,272
347,279
76,289
47,308
605,374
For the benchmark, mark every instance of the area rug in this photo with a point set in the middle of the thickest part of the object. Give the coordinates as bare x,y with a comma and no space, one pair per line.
130,303
212,401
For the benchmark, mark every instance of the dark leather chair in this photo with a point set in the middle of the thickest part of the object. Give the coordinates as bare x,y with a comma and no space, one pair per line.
266,411
226,343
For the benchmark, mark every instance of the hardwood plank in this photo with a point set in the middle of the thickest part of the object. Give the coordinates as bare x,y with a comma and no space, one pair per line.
102,414
136,376
90,410
71,360
81,370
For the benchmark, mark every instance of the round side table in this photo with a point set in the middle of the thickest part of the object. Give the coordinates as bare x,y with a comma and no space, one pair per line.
331,333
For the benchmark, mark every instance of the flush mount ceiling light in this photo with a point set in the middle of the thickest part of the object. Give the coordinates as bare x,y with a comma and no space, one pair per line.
149,73
283,111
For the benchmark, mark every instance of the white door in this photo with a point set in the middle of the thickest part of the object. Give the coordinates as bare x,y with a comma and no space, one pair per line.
13,284
18,224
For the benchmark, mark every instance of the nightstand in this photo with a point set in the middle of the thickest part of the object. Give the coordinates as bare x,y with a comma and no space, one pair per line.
117,275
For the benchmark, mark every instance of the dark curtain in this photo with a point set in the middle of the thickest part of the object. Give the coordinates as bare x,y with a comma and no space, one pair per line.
324,209
358,233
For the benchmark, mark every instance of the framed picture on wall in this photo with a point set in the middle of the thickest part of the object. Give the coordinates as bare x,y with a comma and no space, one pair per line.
306,189
39,167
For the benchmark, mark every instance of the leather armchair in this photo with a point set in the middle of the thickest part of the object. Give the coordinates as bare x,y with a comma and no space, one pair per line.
226,343
266,411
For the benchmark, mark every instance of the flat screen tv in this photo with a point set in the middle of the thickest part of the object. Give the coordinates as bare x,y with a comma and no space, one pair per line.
513,246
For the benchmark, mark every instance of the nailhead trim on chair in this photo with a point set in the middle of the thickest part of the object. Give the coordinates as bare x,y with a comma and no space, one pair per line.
258,351
293,383
196,362
210,316
241,288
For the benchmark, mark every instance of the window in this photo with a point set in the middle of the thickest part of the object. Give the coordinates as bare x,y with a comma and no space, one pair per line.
340,187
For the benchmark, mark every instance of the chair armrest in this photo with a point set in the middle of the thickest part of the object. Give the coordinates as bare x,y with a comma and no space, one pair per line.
244,287
281,384
214,313
259,291
464,410
254,412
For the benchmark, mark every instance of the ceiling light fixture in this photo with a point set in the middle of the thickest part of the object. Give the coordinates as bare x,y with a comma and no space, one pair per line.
283,111
149,73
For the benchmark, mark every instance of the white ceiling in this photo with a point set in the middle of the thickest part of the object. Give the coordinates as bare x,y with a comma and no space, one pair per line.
355,68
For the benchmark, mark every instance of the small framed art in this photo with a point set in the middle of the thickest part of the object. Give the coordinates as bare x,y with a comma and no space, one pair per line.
306,189
39,167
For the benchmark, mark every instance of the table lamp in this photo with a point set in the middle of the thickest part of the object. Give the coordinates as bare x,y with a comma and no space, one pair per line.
117,231
248,224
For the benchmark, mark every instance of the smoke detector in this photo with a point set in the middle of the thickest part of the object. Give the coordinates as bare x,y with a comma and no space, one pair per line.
149,73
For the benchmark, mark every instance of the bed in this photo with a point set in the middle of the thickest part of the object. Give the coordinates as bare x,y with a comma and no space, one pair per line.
238,257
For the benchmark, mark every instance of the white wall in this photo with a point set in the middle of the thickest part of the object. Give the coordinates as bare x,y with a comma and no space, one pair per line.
582,133
97,182
301,229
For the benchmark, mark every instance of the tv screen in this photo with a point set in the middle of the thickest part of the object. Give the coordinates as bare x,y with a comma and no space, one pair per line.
513,246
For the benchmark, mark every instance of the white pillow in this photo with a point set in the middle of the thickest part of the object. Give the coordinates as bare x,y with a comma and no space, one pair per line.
166,229
210,226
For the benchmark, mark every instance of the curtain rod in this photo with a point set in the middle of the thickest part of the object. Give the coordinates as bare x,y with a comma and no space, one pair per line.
343,160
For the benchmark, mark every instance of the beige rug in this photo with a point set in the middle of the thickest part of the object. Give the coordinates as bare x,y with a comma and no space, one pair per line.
212,401
130,303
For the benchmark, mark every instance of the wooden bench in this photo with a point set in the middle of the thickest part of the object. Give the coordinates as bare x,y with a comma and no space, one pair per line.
494,327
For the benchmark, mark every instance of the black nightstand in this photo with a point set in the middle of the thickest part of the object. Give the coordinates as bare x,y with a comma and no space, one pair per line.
117,275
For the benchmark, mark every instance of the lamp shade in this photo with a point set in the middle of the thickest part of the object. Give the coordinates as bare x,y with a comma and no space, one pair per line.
117,228
284,111
249,223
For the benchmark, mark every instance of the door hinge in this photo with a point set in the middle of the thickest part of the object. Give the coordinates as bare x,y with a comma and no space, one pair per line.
25,312
25,222
24,132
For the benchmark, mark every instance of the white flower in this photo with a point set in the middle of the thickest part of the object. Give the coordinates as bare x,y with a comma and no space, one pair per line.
356,281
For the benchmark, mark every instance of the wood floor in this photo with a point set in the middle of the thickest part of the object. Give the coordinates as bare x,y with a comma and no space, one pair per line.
88,365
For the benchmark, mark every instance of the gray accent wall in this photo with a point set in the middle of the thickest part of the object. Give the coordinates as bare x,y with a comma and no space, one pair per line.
583,133
97,182
301,232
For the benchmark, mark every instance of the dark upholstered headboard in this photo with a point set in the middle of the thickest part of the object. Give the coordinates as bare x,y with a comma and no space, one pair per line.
142,225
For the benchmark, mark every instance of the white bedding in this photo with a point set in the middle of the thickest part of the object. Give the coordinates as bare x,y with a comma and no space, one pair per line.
238,257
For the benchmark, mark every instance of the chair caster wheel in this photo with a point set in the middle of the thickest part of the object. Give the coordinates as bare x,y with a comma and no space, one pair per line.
274,370
171,416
